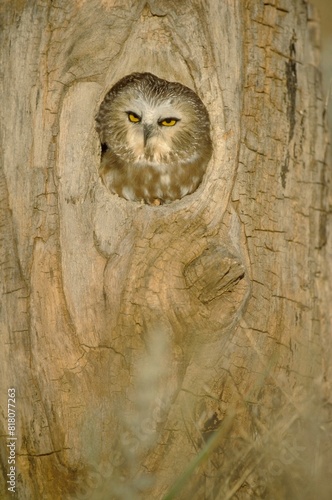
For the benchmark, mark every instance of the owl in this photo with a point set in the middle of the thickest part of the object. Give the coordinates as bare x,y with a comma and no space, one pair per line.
155,138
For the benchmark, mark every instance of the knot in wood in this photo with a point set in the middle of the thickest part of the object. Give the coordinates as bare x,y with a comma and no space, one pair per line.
215,272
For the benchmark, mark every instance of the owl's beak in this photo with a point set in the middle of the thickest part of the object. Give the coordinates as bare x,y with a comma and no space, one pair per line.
147,131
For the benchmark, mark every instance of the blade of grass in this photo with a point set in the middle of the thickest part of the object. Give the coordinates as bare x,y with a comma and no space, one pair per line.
201,457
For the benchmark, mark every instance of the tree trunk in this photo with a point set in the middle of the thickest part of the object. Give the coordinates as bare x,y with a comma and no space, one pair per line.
141,339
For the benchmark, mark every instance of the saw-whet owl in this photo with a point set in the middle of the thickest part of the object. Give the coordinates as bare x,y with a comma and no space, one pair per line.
155,138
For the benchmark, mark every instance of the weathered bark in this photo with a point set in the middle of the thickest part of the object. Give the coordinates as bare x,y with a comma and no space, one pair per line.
132,333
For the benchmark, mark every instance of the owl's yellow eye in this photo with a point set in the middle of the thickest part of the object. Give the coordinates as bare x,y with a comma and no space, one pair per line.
168,122
133,117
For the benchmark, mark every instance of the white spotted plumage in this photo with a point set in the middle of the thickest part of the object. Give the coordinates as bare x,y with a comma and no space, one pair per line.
155,136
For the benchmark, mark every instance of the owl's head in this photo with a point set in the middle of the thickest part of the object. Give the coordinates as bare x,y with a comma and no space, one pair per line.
144,118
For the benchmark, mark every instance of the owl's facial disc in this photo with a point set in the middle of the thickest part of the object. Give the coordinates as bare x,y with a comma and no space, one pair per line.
150,129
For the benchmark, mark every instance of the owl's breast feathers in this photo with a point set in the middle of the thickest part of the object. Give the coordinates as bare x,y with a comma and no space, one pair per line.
148,180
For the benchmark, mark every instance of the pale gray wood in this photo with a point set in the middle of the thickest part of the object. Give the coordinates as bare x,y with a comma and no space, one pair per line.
131,331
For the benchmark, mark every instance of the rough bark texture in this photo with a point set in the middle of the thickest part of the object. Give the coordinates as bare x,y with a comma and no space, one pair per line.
132,333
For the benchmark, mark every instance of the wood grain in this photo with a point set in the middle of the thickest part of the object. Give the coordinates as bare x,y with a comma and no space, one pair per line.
128,329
